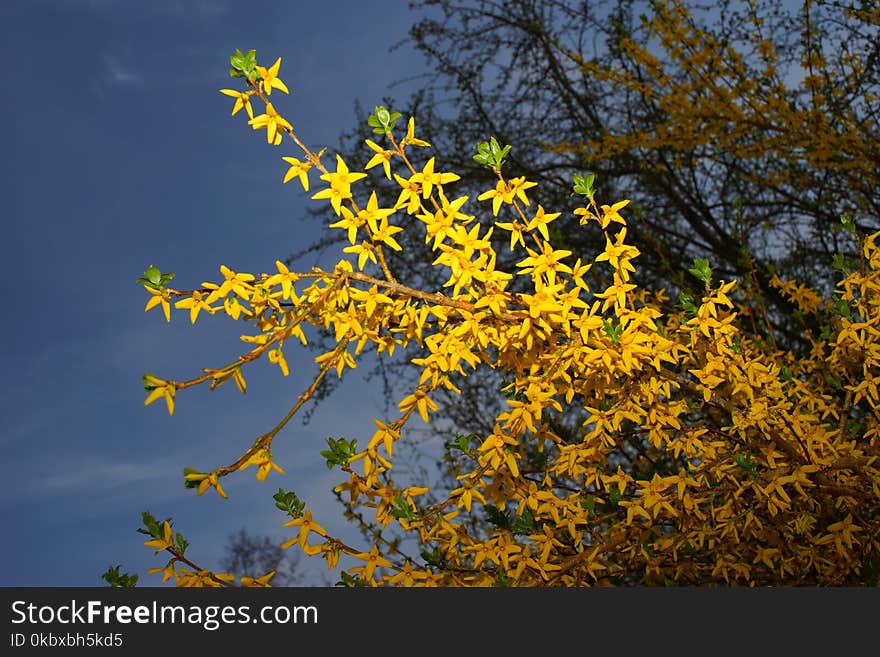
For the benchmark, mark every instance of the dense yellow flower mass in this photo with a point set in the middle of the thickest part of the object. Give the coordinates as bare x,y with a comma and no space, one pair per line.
701,454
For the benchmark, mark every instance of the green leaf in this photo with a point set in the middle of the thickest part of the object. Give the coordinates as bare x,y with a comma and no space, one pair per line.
495,516
538,460
382,120
434,558
119,580
841,263
589,505
523,524
341,451
289,502
152,527
702,270
856,429
583,185
502,580
350,581
243,64
403,510
491,154
186,482
746,464
150,523
842,308
614,496
154,278
461,443
613,330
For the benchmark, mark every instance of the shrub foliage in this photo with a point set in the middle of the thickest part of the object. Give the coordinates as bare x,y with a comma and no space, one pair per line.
643,439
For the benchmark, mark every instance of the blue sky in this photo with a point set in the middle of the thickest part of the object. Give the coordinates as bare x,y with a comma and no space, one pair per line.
120,152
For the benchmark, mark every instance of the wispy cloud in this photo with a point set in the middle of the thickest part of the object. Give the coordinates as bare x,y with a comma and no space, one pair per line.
119,74
97,475
193,8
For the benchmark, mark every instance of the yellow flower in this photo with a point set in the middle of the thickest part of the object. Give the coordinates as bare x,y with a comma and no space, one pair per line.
277,356
159,298
161,390
206,481
516,232
466,495
297,169
371,214
167,572
615,294
203,578
420,401
518,187
195,304
410,193
306,526
501,194
331,553
242,99
273,122
239,283
365,251
382,156
441,224
585,215
271,79
619,254
407,576
383,233
234,309
427,178
340,184
263,460
258,582
539,222
373,560
284,277
609,213
410,135
547,262
167,540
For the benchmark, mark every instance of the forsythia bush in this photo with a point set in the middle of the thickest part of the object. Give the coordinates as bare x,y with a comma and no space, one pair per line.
744,464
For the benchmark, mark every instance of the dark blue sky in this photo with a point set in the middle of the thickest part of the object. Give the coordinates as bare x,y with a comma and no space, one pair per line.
120,152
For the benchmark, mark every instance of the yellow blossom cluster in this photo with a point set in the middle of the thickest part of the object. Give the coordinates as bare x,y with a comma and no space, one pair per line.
699,454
